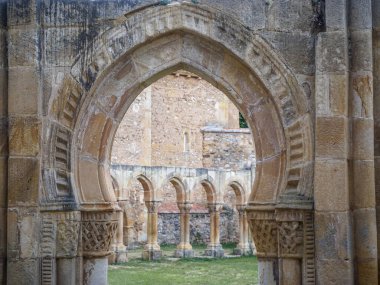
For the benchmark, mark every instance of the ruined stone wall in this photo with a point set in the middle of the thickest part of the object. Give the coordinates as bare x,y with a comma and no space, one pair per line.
228,149
163,125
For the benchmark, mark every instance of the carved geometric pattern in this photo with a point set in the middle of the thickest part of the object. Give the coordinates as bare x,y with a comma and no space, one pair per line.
290,237
98,231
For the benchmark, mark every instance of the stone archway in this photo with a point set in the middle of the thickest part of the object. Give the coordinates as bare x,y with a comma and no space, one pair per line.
116,67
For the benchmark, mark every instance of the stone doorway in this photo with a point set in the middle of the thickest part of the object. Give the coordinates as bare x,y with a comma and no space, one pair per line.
107,78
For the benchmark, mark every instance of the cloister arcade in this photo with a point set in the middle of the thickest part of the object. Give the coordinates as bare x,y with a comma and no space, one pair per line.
185,180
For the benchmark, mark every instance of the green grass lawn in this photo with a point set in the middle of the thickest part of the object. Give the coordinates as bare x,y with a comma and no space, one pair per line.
197,271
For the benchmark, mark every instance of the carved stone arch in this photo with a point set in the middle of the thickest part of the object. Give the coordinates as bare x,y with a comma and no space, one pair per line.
109,75
119,64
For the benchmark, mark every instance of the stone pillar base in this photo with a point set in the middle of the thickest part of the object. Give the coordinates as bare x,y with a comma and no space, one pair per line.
242,251
121,256
214,251
184,253
151,254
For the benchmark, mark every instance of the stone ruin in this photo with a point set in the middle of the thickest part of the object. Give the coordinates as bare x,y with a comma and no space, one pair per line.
305,75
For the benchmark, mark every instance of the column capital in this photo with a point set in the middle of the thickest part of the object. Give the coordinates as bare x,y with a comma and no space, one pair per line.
152,206
98,231
184,207
214,207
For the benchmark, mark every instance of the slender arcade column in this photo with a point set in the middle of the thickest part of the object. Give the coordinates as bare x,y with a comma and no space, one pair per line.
214,248
120,248
152,249
184,249
243,248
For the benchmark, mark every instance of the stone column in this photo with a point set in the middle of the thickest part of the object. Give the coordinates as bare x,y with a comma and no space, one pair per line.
184,249
263,228
332,188
363,193
152,249
120,248
243,247
98,230
214,248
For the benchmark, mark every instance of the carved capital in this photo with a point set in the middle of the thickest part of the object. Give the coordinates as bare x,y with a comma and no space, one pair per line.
98,231
152,206
290,232
291,238
185,207
264,232
67,235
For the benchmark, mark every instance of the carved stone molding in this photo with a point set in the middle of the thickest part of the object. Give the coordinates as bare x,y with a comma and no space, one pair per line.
98,231
264,231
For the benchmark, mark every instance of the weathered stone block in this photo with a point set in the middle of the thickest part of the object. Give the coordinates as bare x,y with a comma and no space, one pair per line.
332,52
331,94
335,272
336,15
13,235
362,140
361,14
362,89
361,47
23,272
29,235
289,16
23,181
94,133
331,137
365,231
89,180
298,49
23,91
22,47
24,136
331,185
333,238
364,184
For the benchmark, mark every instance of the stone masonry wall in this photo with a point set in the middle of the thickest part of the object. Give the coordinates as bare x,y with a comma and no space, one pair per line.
163,125
228,149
